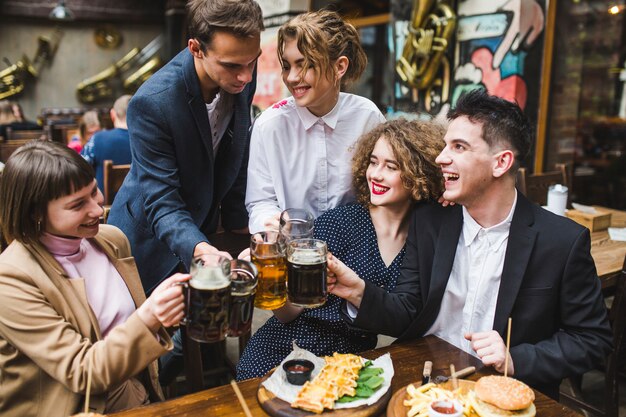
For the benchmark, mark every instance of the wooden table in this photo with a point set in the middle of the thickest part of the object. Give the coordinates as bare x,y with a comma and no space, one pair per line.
608,254
408,359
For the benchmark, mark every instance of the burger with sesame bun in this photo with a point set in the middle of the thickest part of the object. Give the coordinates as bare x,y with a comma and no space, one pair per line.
495,396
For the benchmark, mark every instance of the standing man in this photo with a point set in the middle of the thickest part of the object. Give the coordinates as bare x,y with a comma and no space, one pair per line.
494,255
188,128
110,144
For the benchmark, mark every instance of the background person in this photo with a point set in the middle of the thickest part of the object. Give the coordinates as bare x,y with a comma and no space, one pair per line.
110,144
494,255
393,167
88,125
9,119
301,147
70,295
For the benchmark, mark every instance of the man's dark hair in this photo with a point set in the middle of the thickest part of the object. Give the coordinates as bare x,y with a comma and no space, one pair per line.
242,18
504,124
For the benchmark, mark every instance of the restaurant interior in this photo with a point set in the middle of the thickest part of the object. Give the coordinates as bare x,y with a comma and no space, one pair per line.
563,62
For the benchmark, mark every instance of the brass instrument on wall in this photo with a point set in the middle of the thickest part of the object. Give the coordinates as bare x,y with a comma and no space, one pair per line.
14,78
430,33
102,85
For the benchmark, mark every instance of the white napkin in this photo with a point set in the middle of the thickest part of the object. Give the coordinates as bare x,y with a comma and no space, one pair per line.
617,233
278,385
584,209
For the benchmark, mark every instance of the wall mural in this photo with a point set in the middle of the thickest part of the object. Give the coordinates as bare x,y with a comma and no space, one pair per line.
493,40
496,47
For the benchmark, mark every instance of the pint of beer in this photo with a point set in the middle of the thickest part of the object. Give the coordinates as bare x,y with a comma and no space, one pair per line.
268,255
208,299
243,282
306,268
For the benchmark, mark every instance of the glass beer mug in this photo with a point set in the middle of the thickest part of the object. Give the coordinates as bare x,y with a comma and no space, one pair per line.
306,269
207,299
296,223
268,255
243,283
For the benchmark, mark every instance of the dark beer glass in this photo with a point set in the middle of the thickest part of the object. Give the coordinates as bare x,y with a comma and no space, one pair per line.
306,271
208,299
243,283
268,255
296,224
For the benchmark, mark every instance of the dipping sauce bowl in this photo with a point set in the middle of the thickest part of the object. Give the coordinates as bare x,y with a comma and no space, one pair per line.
298,371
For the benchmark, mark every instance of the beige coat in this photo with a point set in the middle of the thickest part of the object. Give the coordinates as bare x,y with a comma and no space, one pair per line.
49,334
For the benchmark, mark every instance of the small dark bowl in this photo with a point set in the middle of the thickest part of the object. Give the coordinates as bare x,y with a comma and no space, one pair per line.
298,371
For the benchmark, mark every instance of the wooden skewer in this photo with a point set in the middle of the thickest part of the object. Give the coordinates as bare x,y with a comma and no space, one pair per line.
508,347
455,382
246,410
88,388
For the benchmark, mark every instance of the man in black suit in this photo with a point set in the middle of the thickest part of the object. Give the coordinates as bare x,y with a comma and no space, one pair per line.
494,255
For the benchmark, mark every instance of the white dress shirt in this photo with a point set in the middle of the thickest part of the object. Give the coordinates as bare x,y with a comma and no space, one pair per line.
299,160
469,302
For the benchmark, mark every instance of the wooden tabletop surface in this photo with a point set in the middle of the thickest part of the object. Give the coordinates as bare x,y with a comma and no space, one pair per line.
408,359
608,254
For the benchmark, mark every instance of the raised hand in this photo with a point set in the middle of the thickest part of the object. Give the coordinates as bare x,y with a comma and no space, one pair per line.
165,306
343,281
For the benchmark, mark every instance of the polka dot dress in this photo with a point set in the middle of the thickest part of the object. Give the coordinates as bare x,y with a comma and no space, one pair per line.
350,236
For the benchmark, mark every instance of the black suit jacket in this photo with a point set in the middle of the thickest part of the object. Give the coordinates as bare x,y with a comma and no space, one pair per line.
171,197
549,287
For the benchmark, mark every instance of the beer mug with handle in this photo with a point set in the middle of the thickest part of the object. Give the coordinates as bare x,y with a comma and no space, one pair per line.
268,255
306,269
296,223
207,299
243,283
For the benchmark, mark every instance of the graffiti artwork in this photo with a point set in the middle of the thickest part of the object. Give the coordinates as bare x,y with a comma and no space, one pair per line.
493,42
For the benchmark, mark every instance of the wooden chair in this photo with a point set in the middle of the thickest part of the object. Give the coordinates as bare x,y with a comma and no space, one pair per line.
25,134
615,361
7,147
535,186
113,178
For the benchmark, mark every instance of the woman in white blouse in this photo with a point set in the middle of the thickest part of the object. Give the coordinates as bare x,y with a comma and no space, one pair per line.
301,147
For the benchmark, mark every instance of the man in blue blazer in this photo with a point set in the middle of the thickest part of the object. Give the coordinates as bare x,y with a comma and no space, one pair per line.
470,267
188,127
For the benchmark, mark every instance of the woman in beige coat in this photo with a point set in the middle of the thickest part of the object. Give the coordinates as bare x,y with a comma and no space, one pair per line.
70,295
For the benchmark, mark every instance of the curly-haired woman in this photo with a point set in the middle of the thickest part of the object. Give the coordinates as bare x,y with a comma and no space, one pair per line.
393,168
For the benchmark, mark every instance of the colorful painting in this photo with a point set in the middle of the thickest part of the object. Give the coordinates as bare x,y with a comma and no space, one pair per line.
493,41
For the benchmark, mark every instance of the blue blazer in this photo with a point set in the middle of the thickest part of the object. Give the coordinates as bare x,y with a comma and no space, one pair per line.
171,199
549,287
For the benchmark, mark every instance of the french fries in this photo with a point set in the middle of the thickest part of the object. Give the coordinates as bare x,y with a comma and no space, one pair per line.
419,399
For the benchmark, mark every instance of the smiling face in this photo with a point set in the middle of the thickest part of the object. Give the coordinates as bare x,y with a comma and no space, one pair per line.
309,88
467,162
384,177
227,63
76,215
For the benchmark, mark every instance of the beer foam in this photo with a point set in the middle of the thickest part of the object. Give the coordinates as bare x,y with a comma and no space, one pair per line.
209,279
307,257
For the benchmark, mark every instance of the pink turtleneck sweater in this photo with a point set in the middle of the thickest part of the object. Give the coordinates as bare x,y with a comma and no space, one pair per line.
107,293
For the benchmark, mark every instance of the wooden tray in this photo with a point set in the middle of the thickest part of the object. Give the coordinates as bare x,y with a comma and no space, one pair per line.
396,407
278,408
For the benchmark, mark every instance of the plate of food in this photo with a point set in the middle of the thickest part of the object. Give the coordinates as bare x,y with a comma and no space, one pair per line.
490,396
339,385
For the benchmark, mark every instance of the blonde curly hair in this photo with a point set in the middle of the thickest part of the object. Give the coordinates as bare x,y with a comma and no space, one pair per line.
415,145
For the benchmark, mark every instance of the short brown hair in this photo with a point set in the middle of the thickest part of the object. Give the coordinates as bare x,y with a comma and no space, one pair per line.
242,18
415,145
35,174
322,37
121,105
